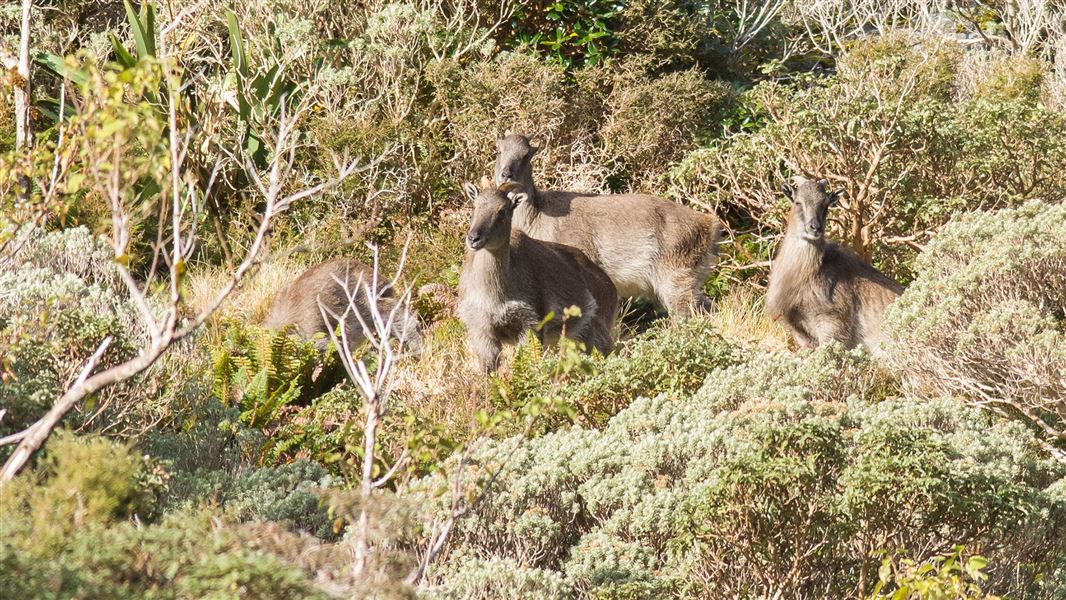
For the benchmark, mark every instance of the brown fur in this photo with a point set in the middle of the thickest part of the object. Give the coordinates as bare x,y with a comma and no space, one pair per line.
824,291
331,283
511,282
650,248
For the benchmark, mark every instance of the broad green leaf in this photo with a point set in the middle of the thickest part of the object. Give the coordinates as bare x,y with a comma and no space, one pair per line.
122,55
55,64
240,58
144,40
148,17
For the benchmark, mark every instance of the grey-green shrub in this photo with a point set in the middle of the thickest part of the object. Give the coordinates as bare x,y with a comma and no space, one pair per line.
501,578
776,477
287,494
984,320
60,299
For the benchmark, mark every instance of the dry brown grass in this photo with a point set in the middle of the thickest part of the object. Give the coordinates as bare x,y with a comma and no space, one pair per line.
442,384
740,316
251,301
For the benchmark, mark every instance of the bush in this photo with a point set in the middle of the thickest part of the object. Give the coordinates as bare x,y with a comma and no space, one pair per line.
672,359
80,482
910,145
662,30
984,319
613,127
501,578
185,556
514,91
776,477
286,494
570,32
61,299
81,525
954,575
653,122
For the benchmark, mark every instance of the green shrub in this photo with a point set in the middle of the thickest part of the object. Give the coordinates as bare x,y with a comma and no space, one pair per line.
673,359
82,524
775,478
984,319
188,555
572,33
80,481
955,575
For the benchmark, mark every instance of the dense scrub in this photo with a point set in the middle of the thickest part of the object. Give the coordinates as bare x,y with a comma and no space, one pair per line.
781,475
968,122
989,325
701,459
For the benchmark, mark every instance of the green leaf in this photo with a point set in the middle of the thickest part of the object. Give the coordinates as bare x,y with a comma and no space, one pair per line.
236,42
145,40
49,107
148,16
122,55
56,65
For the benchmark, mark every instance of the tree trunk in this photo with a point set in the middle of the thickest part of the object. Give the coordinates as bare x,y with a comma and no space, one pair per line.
23,122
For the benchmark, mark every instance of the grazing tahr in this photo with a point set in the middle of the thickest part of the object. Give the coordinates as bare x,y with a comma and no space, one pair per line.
650,248
340,286
822,290
511,282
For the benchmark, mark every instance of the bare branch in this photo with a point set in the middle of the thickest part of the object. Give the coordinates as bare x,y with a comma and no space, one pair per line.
35,435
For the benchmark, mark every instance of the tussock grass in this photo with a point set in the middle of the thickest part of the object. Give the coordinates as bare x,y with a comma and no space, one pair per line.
250,302
442,384
740,316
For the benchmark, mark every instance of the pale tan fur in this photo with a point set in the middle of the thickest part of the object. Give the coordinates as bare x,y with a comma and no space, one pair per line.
511,282
650,248
332,283
823,291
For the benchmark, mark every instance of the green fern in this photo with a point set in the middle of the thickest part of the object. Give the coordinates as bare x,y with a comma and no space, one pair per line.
263,371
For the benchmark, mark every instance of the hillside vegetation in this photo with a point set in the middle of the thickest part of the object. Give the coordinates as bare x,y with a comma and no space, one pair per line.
179,163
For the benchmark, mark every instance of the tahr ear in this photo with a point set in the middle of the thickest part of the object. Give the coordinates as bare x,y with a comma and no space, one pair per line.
535,146
517,198
787,190
835,197
470,190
